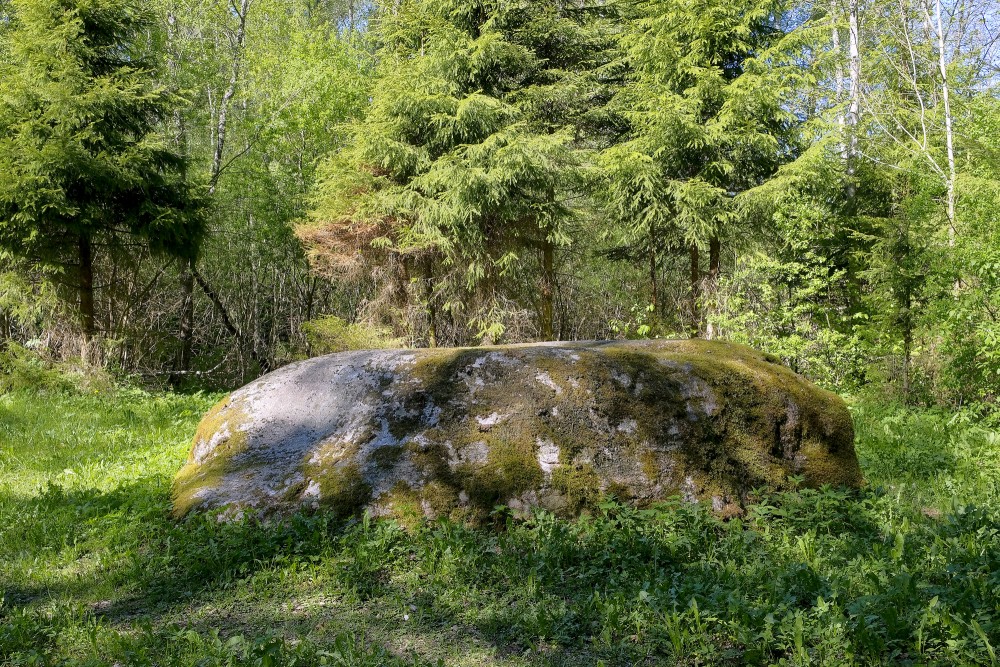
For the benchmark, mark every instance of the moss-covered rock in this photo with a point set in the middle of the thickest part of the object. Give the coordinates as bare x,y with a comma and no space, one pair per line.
457,432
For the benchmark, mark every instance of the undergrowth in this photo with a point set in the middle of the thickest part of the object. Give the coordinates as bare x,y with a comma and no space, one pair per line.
94,572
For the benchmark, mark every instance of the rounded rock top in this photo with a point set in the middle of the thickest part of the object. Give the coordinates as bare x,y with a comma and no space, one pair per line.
457,431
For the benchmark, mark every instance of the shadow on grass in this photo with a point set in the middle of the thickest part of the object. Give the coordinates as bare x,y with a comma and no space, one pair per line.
626,586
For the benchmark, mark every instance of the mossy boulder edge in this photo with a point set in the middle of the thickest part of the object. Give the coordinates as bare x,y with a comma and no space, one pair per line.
456,432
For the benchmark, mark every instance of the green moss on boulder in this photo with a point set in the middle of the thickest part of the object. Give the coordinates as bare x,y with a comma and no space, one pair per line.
455,432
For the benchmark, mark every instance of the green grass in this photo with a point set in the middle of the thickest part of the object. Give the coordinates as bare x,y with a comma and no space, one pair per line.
94,572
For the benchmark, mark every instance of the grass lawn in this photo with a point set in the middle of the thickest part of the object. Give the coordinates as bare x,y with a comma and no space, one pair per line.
94,572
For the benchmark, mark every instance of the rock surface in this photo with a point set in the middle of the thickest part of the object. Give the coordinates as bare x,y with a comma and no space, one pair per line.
455,432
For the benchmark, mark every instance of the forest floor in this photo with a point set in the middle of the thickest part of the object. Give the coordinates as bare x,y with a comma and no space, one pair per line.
94,572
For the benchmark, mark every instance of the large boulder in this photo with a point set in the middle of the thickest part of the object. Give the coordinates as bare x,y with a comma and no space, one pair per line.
456,432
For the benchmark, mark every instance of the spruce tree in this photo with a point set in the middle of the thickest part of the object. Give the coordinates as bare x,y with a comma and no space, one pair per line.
708,119
472,147
83,165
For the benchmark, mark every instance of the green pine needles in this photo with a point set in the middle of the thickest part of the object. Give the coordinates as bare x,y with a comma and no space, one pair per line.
83,165
497,129
465,167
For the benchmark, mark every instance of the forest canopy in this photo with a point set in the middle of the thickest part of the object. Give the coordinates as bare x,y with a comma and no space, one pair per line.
193,192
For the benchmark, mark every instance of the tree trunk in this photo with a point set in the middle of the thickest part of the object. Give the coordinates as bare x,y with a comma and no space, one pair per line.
854,108
5,329
548,290
714,260
907,354
88,320
87,317
173,58
429,300
187,319
907,343
838,74
948,130
237,41
653,282
695,290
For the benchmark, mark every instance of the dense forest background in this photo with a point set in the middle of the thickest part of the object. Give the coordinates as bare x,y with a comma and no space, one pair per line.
193,192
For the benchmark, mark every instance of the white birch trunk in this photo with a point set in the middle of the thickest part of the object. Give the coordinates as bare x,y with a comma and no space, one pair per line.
237,41
948,129
854,108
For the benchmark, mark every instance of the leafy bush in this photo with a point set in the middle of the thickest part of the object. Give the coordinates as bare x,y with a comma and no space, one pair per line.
24,369
329,334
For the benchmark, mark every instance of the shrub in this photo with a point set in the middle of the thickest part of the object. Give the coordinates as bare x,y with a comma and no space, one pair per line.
24,369
330,333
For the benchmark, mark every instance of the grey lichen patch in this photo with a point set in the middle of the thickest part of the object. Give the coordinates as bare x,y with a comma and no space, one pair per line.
628,426
454,432
491,420
547,380
548,456
475,453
